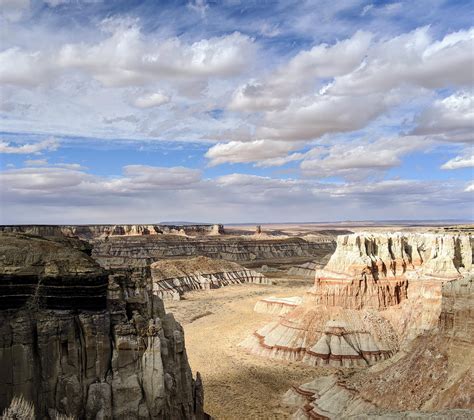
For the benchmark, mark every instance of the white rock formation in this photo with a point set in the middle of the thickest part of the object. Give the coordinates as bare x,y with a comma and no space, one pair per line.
277,306
376,292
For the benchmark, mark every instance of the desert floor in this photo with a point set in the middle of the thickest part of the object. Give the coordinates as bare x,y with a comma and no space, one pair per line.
238,385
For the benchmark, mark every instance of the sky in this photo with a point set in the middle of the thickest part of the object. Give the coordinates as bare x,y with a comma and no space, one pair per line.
233,111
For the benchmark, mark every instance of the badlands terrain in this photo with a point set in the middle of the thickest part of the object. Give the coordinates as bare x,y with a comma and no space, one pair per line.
345,320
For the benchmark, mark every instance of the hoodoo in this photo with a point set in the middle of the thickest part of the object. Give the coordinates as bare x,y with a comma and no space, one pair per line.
78,340
368,300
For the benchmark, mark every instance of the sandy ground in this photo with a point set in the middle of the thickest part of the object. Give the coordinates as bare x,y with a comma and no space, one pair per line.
238,385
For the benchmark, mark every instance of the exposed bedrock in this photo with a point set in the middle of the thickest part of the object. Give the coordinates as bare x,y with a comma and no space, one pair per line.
377,292
141,251
307,270
121,357
277,306
89,232
172,278
433,373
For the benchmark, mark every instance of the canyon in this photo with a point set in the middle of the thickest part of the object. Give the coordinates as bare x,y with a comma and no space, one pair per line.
324,322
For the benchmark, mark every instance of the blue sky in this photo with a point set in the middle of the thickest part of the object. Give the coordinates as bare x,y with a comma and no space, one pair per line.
233,111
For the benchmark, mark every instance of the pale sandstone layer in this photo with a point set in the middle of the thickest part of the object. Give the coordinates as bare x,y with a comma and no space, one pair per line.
376,292
81,341
433,374
172,278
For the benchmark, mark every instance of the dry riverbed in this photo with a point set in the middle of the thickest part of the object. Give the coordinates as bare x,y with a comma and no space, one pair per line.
238,385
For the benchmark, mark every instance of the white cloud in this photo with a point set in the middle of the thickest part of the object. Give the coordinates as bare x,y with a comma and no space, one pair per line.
25,68
149,194
128,57
312,117
151,100
368,78
411,59
359,159
470,188
459,162
451,117
252,151
31,148
301,73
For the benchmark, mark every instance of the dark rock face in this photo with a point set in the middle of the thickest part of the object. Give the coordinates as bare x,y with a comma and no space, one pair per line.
52,274
77,340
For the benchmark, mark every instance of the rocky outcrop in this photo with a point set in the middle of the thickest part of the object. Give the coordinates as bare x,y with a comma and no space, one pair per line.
172,278
433,374
277,306
89,232
377,292
306,270
79,341
141,251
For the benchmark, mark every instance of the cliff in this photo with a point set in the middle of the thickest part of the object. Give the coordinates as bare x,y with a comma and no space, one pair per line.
141,251
432,377
80,341
89,232
172,278
377,292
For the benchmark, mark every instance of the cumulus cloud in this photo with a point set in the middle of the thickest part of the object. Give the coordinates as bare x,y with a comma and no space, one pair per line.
50,144
313,117
252,151
414,59
151,100
300,73
359,159
451,117
128,57
459,162
367,78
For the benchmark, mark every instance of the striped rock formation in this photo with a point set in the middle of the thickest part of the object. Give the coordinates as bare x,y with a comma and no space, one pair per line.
432,378
304,270
172,278
83,342
376,292
277,306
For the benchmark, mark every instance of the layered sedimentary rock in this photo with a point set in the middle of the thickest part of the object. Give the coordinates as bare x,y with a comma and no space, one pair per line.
307,270
103,231
277,306
172,278
433,373
141,251
77,340
376,292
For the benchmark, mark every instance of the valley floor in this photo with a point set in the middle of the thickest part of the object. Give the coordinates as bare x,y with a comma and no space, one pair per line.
238,385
